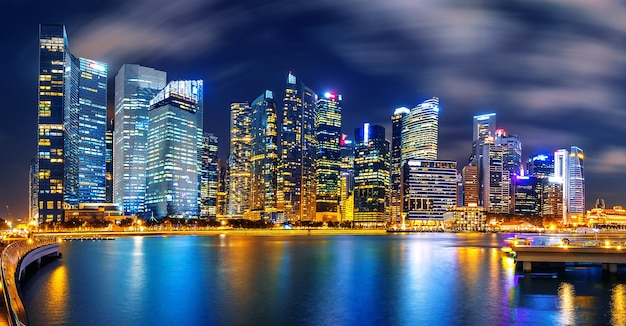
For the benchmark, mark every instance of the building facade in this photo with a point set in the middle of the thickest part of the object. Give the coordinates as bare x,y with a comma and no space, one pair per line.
470,185
430,190
420,131
239,160
395,197
208,176
328,164
135,86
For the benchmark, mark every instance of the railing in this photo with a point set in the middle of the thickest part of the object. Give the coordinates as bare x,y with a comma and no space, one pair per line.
9,266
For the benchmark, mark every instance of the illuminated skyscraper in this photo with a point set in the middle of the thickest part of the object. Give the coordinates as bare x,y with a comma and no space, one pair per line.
470,185
109,162
371,175
346,197
420,131
429,190
512,156
71,127
568,168
298,153
495,179
264,159
239,160
527,195
222,190
395,197
484,127
329,157
173,165
208,177
540,165
135,86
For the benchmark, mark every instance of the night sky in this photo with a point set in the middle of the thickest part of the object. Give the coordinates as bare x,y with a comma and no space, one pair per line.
554,71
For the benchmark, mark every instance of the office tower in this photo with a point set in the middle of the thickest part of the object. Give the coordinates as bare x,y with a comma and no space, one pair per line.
552,197
264,160
172,172
495,179
395,197
346,197
135,86
222,190
71,126
109,161
429,190
298,152
484,127
568,168
470,185
208,176
527,194
512,156
33,182
371,175
328,164
239,160
420,131
540,165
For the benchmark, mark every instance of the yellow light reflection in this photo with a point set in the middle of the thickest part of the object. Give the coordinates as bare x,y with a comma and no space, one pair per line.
567,304
58,288
618,305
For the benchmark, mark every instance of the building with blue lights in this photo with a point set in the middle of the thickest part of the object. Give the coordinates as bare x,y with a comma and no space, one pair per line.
71,150
527,194
429,191
173,165
135,86
209,176
328,163
569,169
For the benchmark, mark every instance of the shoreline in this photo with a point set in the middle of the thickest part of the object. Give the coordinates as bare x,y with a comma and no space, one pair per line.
235,232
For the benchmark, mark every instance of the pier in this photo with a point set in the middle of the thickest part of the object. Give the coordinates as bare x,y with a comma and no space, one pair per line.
609,255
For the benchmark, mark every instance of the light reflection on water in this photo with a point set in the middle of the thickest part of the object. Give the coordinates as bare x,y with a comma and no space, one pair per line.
414,279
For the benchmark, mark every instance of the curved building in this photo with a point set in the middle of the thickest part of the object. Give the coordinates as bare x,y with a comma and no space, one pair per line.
420,131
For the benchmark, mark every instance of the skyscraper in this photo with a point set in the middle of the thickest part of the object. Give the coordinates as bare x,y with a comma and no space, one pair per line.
264,159
239,160
429,190
495,179
297,182
173,164
328,164
135,86
395,197
208,177
71,126
470,185
540,165
576,185
484,127
420,131
371,175
512,156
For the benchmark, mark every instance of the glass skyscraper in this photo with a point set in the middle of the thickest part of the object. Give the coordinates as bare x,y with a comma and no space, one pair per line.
71,127
135,86
495,179
484,127
297,182
329,157
239,160
429,190
264,160
395,197
420,131
209,176
174,151
371,175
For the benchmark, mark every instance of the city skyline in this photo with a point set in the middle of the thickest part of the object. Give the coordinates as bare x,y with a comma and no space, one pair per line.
559,88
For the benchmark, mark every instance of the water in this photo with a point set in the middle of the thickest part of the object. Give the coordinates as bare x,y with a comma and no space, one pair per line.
413,279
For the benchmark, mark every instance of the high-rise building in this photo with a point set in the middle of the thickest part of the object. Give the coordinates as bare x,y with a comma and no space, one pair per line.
484,127
346,197
568,168
109,161
221,206
208,176
264,159
297,181
328,164
495,179
552,197
470,185
33,181
420,131
429,190
135,86
371,175
71,126
540,165
512,156
395,197
239,160
527,194
173,164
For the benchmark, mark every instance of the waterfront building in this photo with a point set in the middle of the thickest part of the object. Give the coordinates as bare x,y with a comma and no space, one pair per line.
395,197
527,194
371,176
71,126
346,197
470,185
33,182
208,176
495,179
602,217
135,86
173,165
551,197
239,160
328,164
297,181
484,127
221,204
420,131
109,161
429,190
264,158
468,218
568,168
512,156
